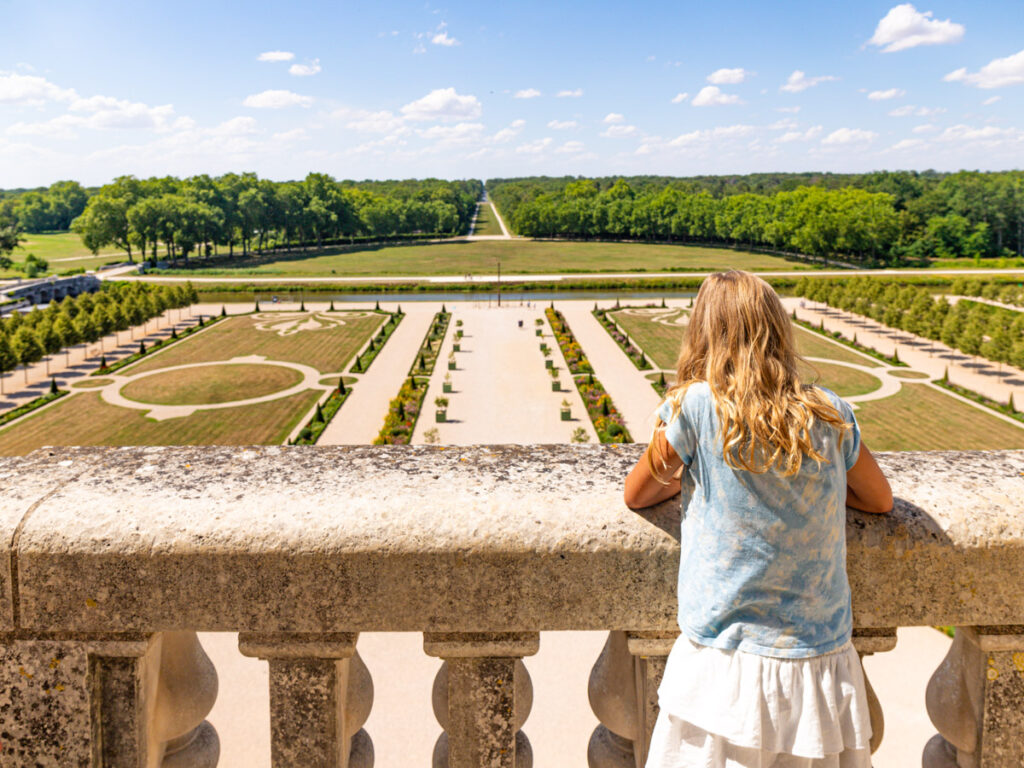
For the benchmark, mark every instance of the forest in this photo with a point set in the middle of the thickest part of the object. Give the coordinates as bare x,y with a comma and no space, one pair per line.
200,214
879,218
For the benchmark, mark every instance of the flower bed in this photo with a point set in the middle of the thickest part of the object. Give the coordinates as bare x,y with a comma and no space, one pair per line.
607,420
632,351
158,344
403,413
423,364
369,354
571,350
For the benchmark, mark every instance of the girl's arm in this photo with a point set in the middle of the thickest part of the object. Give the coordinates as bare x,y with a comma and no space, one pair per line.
866,486
643,489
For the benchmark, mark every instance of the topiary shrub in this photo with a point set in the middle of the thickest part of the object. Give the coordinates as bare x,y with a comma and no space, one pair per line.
306,433
223,311
54,390
142,347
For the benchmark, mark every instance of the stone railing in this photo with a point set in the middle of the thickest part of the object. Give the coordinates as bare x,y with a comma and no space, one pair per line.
116,557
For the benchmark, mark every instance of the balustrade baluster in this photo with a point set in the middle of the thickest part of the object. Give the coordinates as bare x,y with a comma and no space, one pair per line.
482,696
976,701
320,696
867,642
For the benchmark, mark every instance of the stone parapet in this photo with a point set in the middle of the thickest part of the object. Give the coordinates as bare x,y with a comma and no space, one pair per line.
479,548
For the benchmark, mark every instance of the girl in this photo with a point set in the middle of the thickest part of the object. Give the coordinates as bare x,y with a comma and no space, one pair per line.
764,674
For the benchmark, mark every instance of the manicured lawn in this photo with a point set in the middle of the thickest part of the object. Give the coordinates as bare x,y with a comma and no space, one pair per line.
659,340
64,251
922,418
85,419
845,382
517,256
328,348
211,384
811,344
486,223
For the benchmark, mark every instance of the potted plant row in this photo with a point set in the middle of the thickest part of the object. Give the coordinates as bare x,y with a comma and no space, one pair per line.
441,415
566,410
446,385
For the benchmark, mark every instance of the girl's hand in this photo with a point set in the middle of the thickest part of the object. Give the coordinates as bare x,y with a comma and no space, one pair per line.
643,489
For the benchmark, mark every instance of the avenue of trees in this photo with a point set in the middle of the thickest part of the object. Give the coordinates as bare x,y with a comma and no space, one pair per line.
972,327
27,338
882,217
178,218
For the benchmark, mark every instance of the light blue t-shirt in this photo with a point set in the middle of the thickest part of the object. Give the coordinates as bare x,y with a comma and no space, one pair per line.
763,557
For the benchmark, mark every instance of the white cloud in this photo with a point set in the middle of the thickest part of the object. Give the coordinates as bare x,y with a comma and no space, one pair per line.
711,95
679,98
811,133
791,110
305,70
442,38
510,132
443,104
276,99
709,135
925,128
31,90
365,121
420,48
891,93
905,27
104,113
526,93
460,133
909,110
989,135
849,136
535,147
618,131
906,144
614,117
990,100
295,134
563,125
998,73
728,76
570,147
573,94
276,56
799,81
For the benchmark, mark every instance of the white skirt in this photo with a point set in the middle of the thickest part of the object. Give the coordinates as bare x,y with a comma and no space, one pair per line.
730,709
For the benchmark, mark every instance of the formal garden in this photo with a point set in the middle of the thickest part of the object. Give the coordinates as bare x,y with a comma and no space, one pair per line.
258,378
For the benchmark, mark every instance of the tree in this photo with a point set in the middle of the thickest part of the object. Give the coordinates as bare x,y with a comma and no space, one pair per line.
64,327
8,359
50,341
27,348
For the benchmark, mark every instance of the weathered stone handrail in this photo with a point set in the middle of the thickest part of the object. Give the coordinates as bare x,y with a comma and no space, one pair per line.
121,554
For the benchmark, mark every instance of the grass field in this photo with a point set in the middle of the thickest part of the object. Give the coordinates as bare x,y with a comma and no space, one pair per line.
85,419
486,222
660,342
212,384
810,344
921,418
845,382
63,250
517,256
327,349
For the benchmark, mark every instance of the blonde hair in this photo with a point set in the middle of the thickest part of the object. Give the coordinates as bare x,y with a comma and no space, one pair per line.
740,341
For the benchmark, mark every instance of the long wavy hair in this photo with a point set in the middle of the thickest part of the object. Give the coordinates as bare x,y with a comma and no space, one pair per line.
740,341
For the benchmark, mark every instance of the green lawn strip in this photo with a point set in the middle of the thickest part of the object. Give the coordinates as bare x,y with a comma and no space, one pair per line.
63,251
458,257
211,384
837,336
1007,409
923,418
322,417
486,223
576,361
403,413
86,419
159,344
376,343
1008,315
844,381
423,365
811,344
634,353
39,402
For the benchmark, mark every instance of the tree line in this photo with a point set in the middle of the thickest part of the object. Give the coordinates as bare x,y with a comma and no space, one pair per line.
27,338
971,327
200,214
878,218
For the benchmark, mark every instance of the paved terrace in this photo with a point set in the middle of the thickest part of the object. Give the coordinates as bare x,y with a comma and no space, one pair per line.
116,557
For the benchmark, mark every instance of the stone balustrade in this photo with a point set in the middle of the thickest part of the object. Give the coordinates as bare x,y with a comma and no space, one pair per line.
116,557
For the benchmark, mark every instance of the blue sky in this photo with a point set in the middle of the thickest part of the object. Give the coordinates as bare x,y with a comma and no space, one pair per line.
389,89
